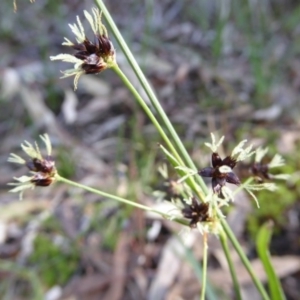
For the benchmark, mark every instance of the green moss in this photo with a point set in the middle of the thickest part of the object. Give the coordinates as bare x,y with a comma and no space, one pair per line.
54,264
273,205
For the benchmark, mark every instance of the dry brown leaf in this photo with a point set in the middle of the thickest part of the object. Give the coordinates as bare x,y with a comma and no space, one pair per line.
95,86
96,108
83,287
140,278
38,111
168,269
186,277
69,106
268,114
284,265
287,141
10,83
20,209
119,271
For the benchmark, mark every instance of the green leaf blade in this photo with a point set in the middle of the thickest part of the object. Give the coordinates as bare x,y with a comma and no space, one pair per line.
262,246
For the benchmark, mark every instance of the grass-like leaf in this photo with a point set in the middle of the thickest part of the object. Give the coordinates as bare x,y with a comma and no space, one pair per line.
262,246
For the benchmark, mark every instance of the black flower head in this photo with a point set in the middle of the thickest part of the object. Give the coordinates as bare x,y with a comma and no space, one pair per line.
220,172
91,57
261,170
42,169
44,165
196,212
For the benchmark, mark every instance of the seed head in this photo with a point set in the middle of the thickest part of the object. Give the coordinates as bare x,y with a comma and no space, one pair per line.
91,57
262,170
196,211
42,169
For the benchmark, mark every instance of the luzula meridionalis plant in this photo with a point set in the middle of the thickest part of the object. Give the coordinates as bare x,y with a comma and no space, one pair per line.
197,205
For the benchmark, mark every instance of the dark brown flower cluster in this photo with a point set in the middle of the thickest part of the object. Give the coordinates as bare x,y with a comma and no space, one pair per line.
91,57
220,172
196,212
44,170
260,171
95,55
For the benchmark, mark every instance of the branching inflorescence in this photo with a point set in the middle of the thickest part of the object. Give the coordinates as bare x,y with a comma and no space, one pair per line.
92,57
203,214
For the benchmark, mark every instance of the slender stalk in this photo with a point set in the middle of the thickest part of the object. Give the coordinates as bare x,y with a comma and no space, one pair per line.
120,199
148,111
236,285
151,116
117,198
152,97
242,186
240,252
204,267
244,259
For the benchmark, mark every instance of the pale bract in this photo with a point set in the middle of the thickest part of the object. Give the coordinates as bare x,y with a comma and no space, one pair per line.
277,161
77,71
31,151
23,183
214,145
260,153
239,153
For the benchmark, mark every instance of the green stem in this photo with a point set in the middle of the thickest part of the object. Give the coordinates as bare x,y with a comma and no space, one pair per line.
204,267
244,258
153,99
119,199
242,186
151,116
224,242
147,111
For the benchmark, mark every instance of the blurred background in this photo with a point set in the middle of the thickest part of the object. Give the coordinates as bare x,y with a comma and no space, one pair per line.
230,67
